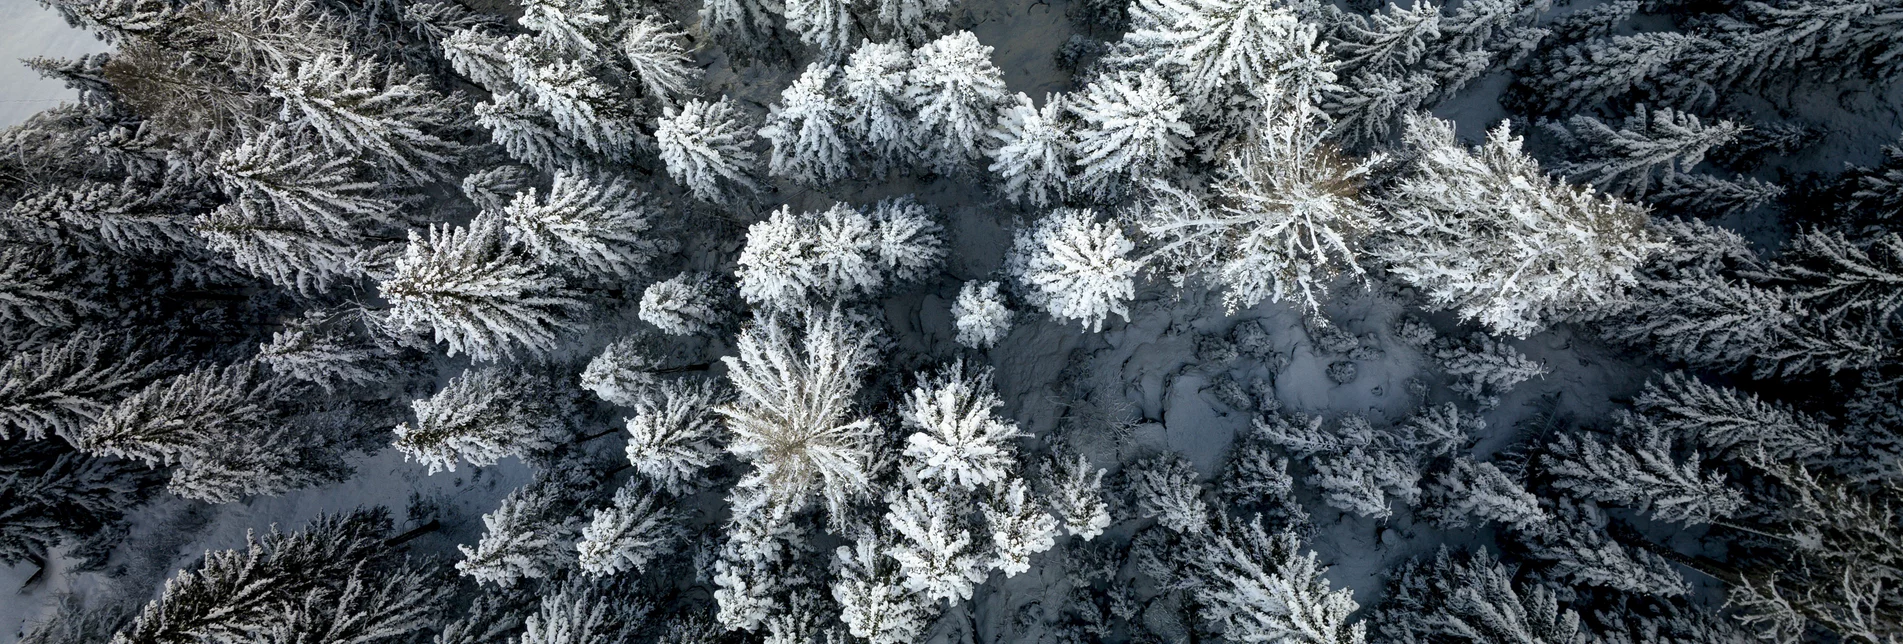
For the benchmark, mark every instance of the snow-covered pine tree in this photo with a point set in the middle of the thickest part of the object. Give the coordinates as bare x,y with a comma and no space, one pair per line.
806,130
477,55
1471,596
478,292
708,148
1131,130
1255,586
1692,305
338,564
1484,368
1165,488
626,370
97,216
580,612
592,227
1283,220
691,303
1759,43
1574,76
284,252
40,286
530,535
938,551
1732,422
748,24
1255,479
911,21
61,502
673,434
1074,490
874,602
1844,280
59,388
572,95
483,416
1650,145
1392,40
330,348
320,192
956,92
1636,468
1019,526
626,536
793,421
1075,267
824,25
1034,151
356,105
1469,491
1705,195
909,244
839,253
958,438
1574,546
573,26
1365,481
1219,54
1487,234
980,315
873,82
658,60
525,133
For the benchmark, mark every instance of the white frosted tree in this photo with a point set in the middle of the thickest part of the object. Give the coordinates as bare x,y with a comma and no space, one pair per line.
911,20
1075,267
956,91
1731,422
1487,234
320,192
807,130
1217,53
1471,596
482,416
1365,481
1651,145
825,25
909,244
1034,150
262,243
1571,77
626,536
529,536
356,105
625,370
938,552
1132,129
980,315
572,95
839,253
575,26
673,434
1574,546
873,81
1484,368
793,420
748,24
478,292
591,227
958,439
59,388
1637,469
579,612
753,573
1469,491
708,148
1166,490
691,303
1261,588
874,602
1019,526
1074,490
658,59
525,133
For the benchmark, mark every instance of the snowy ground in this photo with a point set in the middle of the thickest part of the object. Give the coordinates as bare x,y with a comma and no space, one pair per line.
29,29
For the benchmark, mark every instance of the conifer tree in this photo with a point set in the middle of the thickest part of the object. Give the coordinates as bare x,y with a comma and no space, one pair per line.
1132,129
1034,151
483,416
1466,490
1578,75
980,315
628,535
1731,422
626,370
958,440
1659,144
1472,596
525,133
690,303
825,25
1575,547
1075,267
1020,528
1705,195
320,192
1166,489
592,227
40,286
1487,234
284,252
873,82
1075,492
956,91
793,420
673,434
1484,368
938,551
60,388
1216,52
806,130
873,600
478,292
708,148
1637,469
571,95
1259,587
577,612
652,46
531,535
748,24
355,105
58,500
329,348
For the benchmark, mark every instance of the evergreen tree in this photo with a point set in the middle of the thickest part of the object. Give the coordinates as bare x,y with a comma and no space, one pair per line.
286,253
60,388
807,130
572,96
1258,587
1637,469
708,148
1468,490
1218,53
747,24
690,303
873,82
330,348
1576,548
483,416
478,292
41,286
958,440
1075,492
956,91
1649,145
53,496
577,612
1019,527
1709,196
1484,368
873,600
825,25
628,535
317,191
1487,234
840,253
1578,75
1035,151
1731,422
980,315
1132,129
673,435
591,227
531,535
938,552
525,133
793,421
656,58
1471,597
355,105
1074,267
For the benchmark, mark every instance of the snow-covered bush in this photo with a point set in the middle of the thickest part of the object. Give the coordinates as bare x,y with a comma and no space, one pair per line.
980,315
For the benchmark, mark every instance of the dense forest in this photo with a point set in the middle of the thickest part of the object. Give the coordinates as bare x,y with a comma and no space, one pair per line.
793,321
